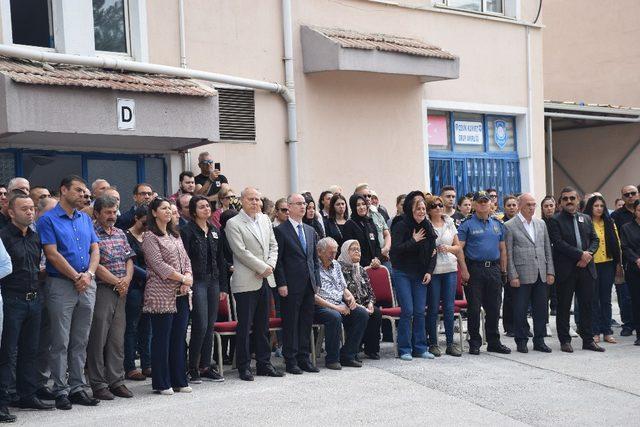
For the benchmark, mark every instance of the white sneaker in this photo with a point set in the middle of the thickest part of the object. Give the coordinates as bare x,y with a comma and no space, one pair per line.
573,333
548,334
167,392
183,390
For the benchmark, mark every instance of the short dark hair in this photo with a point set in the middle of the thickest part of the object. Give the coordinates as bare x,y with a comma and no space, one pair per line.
568,189
491,190
186,173
38,187
152,225
141,184
67,180
509,197
103,202
447,188
141,211
193,205
16,196
463,198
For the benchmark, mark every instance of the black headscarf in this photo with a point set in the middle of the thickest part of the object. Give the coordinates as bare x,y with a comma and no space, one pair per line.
427,244
353,201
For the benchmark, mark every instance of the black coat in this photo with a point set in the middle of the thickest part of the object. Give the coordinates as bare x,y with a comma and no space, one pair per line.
563,242
296,268
197,245
366,233
332,230
410,256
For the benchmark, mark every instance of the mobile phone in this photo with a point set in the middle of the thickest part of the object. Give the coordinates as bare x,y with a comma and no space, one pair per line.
216,165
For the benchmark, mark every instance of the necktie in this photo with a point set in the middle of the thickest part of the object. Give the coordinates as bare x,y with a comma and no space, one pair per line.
577,231
303,242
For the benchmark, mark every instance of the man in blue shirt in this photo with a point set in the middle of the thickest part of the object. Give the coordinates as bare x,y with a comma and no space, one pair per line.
71,247
483,269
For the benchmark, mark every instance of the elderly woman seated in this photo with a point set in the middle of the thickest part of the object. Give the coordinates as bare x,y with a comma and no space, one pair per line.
360,287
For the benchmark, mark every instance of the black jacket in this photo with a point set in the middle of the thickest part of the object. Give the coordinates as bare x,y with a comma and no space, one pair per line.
296,268
407,255
364,231
630,241
332,230
563,242
199,246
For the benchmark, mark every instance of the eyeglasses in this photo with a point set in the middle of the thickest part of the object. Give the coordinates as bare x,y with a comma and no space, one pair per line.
206,162
145,193
568,198
493,196
284,210
228,197
367,196
630,194
299,203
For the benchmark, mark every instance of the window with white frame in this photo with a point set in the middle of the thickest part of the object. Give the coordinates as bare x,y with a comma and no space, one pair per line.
485,6
111,26
32,23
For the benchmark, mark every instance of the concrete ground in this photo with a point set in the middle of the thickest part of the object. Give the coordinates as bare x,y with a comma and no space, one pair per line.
583,388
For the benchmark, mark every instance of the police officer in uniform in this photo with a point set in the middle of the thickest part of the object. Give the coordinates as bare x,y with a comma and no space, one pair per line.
484,270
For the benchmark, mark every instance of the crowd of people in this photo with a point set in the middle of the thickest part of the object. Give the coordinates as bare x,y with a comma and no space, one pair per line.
88,289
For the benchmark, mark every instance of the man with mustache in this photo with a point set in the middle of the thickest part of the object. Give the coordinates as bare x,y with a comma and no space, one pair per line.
574,242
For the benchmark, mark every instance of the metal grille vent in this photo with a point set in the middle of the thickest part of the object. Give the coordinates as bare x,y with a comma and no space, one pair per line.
237,114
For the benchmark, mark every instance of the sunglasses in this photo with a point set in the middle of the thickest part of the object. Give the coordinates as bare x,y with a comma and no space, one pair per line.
568,198
206,162
284,210
630,194
367,196
437,205
493,196
228,197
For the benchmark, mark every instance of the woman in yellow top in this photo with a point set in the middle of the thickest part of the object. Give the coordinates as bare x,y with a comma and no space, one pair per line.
607,259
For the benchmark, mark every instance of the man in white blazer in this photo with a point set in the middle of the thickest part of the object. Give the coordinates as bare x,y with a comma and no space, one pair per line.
255,253
530,270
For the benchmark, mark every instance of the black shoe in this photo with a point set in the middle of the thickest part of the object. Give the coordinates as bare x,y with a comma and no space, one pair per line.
194,376
212,374
5,416
63,402
593,347
498,348
626,332
566,347
542,347
308,367
35,403
510,334
373,356
553,312
637,342
530,334
294,369
351,363
269,371
246,375
474,350
522,348
45,394
82,398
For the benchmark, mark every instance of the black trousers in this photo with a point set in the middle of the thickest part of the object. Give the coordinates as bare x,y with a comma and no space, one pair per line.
582,284
253,316
371,339
484,290
297,320
633,282
536,295
507,309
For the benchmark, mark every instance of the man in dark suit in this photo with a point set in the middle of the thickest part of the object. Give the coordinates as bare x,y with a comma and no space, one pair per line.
574,242
297,278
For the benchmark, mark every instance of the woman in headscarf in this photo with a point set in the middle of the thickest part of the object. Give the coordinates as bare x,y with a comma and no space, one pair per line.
413,256
359,285
360,227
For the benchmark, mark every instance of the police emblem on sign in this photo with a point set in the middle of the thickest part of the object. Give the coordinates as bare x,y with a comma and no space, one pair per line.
500,133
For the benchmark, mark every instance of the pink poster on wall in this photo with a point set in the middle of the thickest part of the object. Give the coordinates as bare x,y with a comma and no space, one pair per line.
437,130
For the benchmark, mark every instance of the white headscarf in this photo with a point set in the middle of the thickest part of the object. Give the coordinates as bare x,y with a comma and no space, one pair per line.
345,260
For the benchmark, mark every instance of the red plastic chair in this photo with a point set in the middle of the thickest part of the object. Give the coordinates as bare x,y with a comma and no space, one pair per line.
225,328
382,289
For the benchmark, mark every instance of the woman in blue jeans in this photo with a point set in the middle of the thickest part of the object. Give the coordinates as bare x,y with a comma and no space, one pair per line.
444,278
413,256
202,242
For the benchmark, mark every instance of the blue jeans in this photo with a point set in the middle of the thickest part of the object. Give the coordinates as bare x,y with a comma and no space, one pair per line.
169,348
412,296
19,348
354,323
442,288
206,297
601,322
137,334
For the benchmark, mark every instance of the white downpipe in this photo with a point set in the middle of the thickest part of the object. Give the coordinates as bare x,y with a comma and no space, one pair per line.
139,67
292,126
529,96
183,45
588,117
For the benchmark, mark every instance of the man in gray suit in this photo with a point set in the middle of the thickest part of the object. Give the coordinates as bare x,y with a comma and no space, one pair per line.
255,253
530,271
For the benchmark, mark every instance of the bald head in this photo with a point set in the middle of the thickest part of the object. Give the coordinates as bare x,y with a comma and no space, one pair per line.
250,199
527,205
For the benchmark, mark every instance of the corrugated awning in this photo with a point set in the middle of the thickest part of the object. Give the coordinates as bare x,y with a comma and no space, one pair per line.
39,73
334,49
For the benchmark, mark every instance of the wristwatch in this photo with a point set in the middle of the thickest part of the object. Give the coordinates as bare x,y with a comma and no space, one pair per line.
91,274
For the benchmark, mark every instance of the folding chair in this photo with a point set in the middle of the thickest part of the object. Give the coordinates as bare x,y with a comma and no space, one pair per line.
381,284
225,328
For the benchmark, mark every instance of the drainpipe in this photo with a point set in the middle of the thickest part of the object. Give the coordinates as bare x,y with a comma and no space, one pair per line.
292,127
186,155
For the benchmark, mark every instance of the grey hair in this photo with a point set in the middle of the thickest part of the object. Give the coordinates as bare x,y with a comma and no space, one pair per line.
243,193
97,182
290,197
14,183
325,242
105,202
